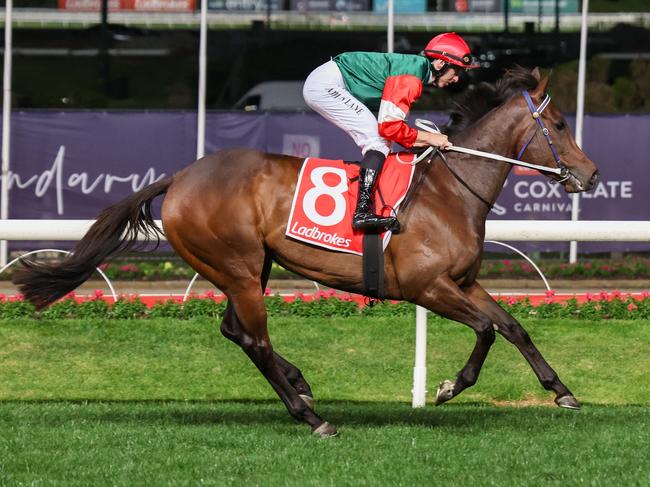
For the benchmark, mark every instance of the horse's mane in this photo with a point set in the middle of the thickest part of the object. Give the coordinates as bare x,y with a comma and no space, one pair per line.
487,96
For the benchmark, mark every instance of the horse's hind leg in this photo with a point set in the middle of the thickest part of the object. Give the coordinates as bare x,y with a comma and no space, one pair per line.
447,299
241,284
232,329
512,330
293,373
249,307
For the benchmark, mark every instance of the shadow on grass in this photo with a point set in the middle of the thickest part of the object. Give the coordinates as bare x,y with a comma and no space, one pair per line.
349,413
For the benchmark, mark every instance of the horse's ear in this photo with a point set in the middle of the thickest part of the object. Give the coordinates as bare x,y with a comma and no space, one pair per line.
540,89
536,74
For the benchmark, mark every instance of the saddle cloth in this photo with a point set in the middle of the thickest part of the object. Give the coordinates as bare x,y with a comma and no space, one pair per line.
326,196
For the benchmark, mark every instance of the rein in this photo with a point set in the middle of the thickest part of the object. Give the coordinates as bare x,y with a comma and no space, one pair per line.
561,170
418,182
462,181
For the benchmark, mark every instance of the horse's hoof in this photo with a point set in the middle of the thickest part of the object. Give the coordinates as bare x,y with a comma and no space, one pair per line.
308,400
445,392
568,402
325,430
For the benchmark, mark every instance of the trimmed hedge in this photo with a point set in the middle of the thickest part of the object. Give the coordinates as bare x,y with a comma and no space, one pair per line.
597,306
629,268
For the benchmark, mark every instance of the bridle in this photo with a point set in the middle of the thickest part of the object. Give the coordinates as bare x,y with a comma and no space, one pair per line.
536,112
562,171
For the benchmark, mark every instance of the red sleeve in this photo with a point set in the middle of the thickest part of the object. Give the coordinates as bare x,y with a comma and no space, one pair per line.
399,94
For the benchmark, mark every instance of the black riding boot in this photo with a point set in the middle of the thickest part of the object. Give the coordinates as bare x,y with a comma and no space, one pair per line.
364,218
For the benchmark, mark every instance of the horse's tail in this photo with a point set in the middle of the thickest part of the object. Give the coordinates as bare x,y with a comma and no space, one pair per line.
116,229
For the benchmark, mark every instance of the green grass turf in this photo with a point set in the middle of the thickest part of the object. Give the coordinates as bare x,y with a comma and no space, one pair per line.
167,402
238,443
362,359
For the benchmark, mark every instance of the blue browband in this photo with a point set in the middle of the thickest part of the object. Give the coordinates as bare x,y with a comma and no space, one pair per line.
536,112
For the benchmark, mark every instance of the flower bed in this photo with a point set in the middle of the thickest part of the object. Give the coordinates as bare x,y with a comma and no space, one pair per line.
614,305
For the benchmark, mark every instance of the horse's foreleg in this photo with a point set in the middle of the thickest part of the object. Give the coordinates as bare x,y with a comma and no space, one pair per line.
231,328
249,307
512,330
447,299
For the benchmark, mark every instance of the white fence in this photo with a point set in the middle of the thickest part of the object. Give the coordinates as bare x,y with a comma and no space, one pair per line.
510,230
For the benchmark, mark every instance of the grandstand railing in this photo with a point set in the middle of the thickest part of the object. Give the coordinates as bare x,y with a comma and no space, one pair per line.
429,21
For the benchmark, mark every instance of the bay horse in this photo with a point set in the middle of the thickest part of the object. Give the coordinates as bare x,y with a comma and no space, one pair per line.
226,216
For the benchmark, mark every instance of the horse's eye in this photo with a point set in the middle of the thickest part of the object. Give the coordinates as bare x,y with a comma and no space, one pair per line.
560,126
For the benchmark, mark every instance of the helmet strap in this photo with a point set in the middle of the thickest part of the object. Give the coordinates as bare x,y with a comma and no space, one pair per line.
437,73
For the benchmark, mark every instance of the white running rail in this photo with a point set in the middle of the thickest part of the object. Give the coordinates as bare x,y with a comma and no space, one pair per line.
504,230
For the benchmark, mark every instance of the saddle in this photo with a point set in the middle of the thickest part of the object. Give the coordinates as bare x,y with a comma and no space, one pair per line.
324,202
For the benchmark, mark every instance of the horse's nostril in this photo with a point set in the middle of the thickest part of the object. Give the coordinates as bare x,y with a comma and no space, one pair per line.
594,179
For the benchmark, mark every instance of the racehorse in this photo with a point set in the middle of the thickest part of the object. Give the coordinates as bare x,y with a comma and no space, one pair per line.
226,216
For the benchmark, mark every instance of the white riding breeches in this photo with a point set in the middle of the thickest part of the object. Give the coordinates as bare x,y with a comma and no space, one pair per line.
325,93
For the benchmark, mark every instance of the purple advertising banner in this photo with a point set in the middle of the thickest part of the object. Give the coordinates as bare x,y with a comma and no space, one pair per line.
70,165
244,5
329,5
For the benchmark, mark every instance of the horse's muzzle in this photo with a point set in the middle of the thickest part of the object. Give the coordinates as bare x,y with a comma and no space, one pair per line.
593,180
574,184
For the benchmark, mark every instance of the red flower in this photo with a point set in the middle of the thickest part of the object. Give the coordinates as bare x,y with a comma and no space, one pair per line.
129,268
512,300
267,291
631,307
98,293
526,267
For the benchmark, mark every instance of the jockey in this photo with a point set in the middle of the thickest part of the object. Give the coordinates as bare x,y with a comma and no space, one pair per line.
346,88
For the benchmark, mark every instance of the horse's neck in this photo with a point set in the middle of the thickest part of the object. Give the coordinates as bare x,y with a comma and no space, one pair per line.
495,133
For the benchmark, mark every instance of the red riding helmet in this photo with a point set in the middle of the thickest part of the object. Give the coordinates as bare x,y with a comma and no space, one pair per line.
451,48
